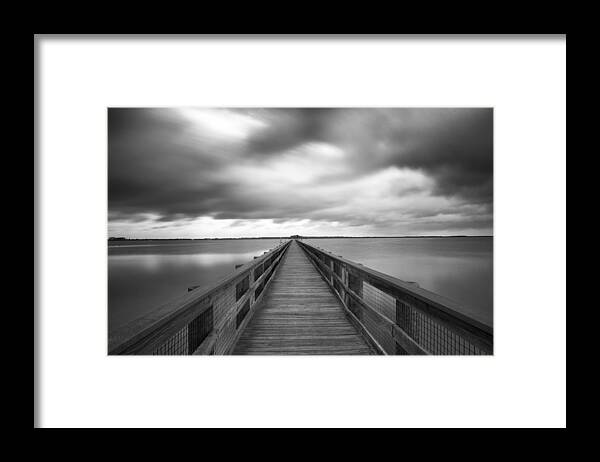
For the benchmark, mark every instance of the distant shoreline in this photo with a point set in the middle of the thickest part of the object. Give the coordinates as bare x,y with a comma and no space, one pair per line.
119,239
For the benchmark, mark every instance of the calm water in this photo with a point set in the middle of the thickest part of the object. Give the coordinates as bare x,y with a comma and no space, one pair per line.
459,268
145,274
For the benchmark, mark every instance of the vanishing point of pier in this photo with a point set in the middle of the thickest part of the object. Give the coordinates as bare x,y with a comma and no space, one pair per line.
301,299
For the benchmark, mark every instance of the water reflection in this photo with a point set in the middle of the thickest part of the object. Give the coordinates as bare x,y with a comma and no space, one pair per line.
144,275
158,262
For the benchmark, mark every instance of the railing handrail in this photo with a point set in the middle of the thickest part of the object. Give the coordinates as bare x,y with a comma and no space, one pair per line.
347,282
169,312
445,304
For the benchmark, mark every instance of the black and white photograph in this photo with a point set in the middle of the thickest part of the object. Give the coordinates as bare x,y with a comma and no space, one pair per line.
300,231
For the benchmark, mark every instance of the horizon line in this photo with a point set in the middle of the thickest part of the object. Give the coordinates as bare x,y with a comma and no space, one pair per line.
290,237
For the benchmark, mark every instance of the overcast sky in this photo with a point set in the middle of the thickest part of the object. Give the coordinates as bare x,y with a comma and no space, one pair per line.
190,172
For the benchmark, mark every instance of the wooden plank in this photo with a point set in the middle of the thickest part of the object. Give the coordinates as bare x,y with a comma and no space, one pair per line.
275,265
300,315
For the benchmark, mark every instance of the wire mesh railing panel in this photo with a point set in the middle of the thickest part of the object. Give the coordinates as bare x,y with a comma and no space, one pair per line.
242,314
380,301
189,337
199,329
242,287
381,333
258,271
259,289
226,337
433,336
224,303
177,344
355,284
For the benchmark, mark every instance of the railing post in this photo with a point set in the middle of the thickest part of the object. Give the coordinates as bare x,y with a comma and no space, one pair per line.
355,284
344,278
331,272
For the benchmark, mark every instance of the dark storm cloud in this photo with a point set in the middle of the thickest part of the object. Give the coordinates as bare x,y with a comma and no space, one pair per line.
289,128
155,166
458,153
291,164
453,145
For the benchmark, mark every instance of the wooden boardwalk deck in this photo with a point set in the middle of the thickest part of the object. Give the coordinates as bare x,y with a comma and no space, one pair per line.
300,315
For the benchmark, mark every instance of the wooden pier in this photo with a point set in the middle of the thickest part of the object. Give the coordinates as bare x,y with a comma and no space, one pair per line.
302,300
300,315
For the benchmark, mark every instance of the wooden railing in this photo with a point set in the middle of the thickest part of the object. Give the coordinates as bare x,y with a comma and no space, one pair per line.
204,321
398,317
